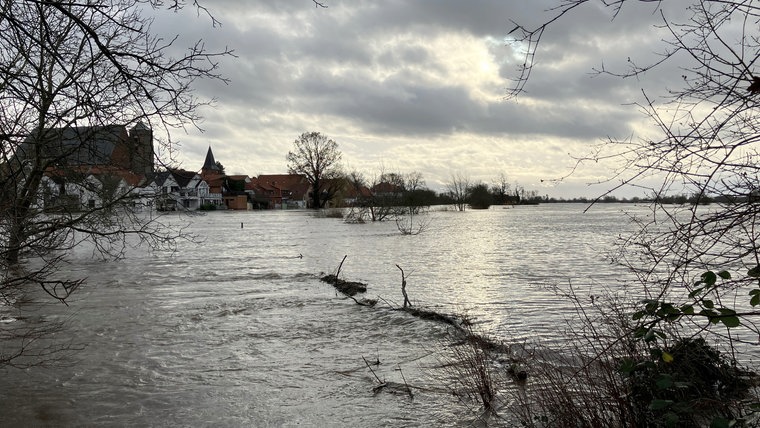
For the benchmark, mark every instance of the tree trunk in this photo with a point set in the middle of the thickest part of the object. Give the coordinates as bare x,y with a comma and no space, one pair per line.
315,196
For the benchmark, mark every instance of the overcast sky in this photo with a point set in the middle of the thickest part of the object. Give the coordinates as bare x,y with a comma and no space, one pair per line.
405,85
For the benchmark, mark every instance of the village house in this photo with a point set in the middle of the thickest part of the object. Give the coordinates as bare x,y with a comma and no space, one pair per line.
356,195
98,163
178,189
90,165
239,193
230,189
279,191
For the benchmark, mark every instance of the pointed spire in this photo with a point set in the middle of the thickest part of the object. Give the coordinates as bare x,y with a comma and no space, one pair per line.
210,163
140,126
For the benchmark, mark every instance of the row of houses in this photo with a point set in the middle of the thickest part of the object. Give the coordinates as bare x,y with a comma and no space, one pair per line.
93,164
212,189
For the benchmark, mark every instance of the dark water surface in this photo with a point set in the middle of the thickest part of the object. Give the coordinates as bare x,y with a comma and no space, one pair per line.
239,331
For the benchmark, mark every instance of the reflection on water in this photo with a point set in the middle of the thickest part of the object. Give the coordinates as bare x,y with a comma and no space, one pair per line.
239,331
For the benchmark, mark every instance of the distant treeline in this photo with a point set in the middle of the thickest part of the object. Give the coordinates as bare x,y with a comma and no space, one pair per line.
671,199
409,190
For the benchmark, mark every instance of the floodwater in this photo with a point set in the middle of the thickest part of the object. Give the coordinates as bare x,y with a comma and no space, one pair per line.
239,330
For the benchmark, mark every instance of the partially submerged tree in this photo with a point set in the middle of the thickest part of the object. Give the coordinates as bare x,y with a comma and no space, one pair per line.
415,199
378,199
390,196
316,156
458,189
479,197
69,73
501,189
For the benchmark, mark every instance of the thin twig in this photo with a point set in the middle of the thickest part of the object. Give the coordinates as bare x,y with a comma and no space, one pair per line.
381,383
408,389
340,266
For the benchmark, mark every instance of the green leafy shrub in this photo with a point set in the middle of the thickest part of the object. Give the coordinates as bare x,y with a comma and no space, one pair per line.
687,384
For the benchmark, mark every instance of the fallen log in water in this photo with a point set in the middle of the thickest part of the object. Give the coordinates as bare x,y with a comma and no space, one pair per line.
435,316
472,356
349,288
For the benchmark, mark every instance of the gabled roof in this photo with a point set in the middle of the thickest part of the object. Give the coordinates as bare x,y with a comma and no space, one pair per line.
183,177
98,172
296,184
129,177
361,192
283,179
140,126
160,177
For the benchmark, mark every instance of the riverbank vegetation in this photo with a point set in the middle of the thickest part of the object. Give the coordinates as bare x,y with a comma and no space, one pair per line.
678,346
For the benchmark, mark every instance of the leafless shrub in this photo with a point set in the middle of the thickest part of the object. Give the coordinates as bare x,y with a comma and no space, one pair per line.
407,226
585,383
696,266
474,373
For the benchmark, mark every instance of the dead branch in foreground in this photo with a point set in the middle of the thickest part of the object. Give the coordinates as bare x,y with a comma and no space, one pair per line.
348,288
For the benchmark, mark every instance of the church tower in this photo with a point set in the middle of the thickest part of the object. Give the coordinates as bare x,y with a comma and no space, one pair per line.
212,174
210,166
141,154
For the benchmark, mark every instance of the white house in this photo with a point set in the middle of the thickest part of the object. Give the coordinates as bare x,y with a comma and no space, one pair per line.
89,190
178,189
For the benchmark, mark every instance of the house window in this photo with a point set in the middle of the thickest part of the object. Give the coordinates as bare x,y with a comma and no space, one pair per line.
91,203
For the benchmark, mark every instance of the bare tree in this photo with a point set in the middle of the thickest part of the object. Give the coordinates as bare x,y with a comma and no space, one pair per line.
316,156
458,188
501,188
707,147
378,198
698,268
70,73
413,202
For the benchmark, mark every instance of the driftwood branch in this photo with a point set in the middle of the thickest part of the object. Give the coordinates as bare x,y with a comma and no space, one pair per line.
381,384
340,266
348,288
403,287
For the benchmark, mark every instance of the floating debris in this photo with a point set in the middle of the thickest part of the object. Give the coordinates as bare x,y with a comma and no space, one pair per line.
349,288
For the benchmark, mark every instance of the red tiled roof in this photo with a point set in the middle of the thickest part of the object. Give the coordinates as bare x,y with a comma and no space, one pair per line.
296,184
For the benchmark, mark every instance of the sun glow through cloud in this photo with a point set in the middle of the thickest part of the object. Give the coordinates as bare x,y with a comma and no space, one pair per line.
410,85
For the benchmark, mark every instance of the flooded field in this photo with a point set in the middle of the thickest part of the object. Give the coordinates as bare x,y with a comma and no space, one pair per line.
238,330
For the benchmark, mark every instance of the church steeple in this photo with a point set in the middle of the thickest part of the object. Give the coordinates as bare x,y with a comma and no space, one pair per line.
210,163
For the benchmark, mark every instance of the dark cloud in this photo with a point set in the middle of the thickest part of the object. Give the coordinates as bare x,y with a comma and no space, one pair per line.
394,70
